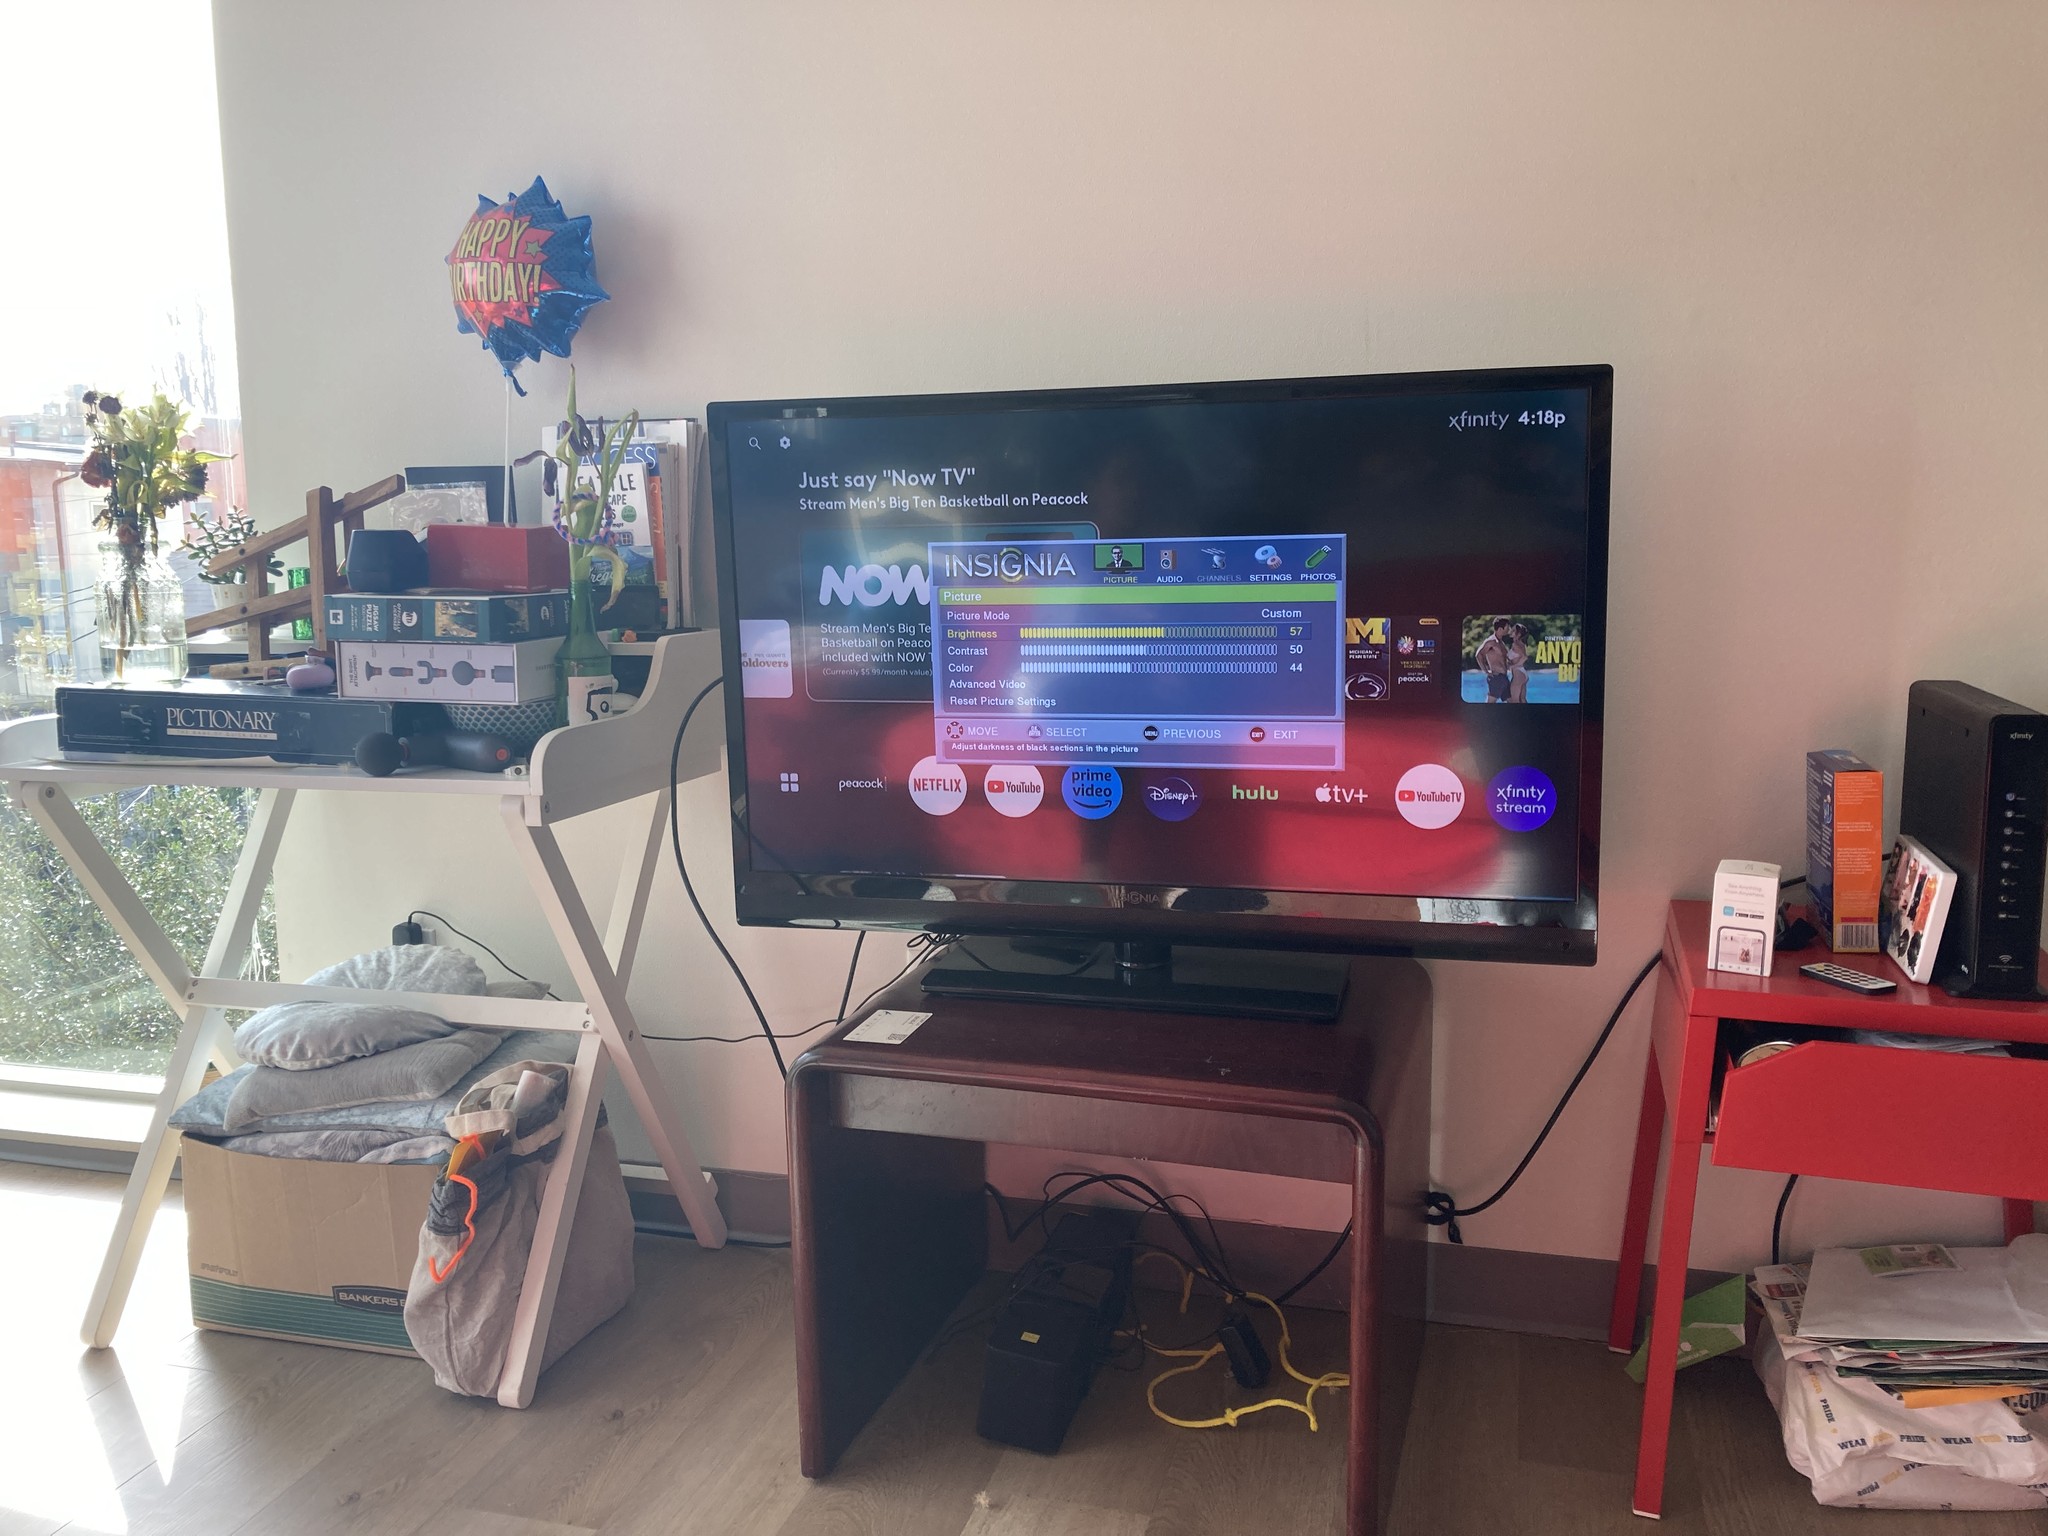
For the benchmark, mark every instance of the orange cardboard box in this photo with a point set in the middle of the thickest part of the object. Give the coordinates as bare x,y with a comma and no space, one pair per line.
1845,849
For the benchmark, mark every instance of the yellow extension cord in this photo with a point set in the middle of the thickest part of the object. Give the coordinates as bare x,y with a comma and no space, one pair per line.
1197,1358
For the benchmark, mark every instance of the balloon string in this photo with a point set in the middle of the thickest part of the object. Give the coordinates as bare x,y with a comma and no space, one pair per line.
506,502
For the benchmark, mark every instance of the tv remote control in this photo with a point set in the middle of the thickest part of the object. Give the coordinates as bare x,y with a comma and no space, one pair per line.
1842,976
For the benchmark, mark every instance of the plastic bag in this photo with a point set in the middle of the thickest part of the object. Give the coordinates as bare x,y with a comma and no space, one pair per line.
1861,1448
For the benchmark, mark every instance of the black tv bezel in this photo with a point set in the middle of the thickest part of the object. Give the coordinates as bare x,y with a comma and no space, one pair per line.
778,898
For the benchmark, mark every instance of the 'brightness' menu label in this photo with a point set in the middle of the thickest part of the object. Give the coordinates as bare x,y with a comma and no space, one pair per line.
1182,653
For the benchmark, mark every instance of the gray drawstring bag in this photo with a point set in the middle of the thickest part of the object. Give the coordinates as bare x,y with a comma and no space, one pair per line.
479,1231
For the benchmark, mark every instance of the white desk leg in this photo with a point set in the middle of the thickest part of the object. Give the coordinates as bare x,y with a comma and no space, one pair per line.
202,1033
534,1314
629,903
553,884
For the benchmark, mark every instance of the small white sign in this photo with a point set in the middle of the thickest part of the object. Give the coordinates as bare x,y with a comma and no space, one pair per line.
887,1026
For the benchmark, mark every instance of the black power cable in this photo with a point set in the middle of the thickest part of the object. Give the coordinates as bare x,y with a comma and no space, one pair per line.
479,943
809,1029
851,966
675,838
1443,1211
1778,1217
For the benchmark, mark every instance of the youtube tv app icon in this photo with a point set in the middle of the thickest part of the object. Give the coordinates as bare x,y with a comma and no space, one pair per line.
1429,796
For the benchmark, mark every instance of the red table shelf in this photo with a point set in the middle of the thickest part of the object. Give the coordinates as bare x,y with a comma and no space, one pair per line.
1830,1108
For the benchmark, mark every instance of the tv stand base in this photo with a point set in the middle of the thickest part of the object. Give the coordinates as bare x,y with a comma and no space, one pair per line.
1240,983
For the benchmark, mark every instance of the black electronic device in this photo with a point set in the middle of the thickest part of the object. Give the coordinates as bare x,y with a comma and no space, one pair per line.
1973,791
381,753
201,718
1287,664
1854,981
1055,1328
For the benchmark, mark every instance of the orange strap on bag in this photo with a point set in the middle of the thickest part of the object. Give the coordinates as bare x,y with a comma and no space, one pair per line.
455,1160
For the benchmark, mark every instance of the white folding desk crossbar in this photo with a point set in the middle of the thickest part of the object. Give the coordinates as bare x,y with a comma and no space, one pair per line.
572,772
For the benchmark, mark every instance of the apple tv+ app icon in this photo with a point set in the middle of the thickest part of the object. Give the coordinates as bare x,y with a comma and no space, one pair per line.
1170,797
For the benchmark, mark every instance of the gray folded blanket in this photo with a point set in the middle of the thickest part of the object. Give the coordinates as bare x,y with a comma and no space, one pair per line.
421,1071
344,1145
206,1112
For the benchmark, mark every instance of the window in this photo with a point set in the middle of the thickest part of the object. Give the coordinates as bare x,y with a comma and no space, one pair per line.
118,282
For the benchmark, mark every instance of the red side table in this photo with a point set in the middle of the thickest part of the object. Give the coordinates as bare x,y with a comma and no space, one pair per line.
1830,1108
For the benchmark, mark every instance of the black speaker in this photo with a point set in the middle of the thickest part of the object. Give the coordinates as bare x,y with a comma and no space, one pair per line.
385,560
1974,790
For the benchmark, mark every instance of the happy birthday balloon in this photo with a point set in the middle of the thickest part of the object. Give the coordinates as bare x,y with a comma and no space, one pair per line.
522,276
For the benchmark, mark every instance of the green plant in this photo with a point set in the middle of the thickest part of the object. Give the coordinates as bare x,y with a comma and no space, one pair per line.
207,539
586,513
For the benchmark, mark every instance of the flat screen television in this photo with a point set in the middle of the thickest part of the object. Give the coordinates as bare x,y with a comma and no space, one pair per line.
1279,665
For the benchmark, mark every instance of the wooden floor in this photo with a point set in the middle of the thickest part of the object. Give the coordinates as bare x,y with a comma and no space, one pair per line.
678,1417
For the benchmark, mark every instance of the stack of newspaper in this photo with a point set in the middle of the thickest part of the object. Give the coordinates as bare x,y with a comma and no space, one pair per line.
1932,1326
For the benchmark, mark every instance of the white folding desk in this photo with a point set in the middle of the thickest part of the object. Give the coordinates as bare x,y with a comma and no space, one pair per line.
572,771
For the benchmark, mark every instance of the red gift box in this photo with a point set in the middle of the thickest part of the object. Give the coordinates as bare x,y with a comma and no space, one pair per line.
489,557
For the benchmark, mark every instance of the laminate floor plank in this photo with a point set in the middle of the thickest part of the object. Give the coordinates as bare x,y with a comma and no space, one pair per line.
734,1469
476,1522
916,1468
639,1413
1025,1516
267,1440
678,1418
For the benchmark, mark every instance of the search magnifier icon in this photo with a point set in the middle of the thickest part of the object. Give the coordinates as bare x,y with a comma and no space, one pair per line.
753,442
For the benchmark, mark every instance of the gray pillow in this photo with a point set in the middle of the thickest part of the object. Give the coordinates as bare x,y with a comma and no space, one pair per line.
407,968
422,1071
298,1037
525,991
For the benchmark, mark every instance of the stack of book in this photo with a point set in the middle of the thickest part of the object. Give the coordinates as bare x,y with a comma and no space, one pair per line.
487,657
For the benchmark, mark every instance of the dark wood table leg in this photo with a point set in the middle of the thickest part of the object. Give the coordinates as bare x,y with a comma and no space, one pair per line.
888,1233
1369,1333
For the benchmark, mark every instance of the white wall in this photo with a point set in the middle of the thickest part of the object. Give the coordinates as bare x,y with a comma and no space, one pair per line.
1807,235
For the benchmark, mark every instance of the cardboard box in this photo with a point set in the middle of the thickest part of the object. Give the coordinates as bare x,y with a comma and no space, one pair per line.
1844,849
462,618
1742,919
487,557
289,1249
438,672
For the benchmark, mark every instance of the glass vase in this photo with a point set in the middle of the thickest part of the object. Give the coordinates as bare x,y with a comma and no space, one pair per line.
140,611
583,666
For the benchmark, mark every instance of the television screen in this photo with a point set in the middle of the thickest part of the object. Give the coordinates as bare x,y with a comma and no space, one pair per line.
1308,663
